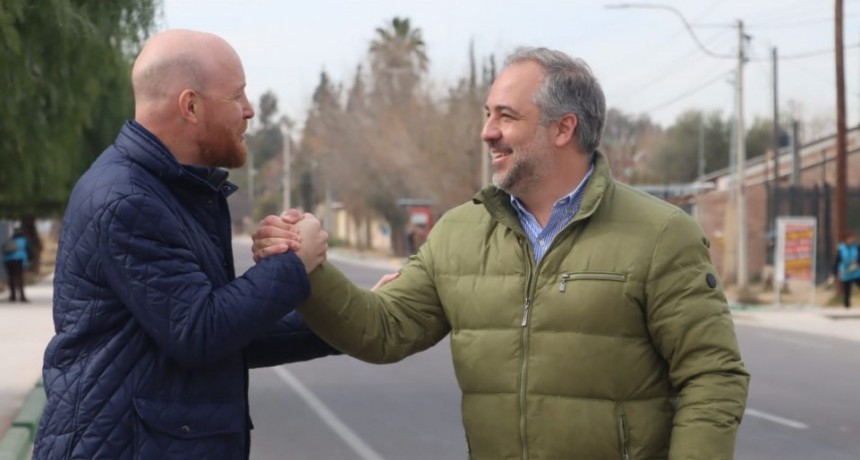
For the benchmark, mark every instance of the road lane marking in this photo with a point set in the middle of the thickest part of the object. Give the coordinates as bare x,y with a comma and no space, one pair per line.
777,419
340,428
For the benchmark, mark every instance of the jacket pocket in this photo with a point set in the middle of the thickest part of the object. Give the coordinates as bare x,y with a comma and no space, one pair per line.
591,276
181,430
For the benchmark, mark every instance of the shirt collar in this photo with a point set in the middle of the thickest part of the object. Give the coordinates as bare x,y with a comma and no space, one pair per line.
563,201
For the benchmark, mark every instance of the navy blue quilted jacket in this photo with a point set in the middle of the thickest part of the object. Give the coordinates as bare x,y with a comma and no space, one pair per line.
154,333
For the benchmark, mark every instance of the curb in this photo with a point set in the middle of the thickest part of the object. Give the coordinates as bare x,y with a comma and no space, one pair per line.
17,442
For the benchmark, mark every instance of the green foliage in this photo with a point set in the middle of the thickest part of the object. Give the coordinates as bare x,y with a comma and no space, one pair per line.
266,143
66,92
677,157
759,137
398,60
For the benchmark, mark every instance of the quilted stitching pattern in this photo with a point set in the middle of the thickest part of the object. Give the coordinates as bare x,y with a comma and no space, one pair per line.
151,323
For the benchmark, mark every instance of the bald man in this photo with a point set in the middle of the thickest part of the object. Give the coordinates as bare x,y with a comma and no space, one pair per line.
154,332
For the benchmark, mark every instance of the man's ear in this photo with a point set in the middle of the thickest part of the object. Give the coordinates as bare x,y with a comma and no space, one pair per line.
566,129
189,106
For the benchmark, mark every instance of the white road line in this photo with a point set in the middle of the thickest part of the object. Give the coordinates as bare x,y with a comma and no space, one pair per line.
777,419
341,429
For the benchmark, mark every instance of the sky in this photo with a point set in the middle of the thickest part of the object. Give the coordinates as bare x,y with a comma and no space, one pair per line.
645,58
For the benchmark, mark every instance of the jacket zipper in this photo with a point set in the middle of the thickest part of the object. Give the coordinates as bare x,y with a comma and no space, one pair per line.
562,285
565,277
530,277
524,359
625,442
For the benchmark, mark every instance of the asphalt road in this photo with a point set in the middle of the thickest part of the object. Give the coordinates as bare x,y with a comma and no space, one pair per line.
804,401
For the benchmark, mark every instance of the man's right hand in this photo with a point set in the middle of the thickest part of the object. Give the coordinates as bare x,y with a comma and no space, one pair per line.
277,235
314,242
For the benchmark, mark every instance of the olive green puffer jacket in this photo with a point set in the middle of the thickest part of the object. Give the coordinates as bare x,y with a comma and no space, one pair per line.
618,345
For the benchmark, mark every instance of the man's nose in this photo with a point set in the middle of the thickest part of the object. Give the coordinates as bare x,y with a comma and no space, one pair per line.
490,131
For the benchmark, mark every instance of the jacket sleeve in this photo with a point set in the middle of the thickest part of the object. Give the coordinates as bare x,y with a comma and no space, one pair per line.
402,318
149,263
290,340
691,326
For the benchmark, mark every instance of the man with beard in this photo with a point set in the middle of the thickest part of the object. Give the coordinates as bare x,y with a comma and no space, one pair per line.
586,321
154,332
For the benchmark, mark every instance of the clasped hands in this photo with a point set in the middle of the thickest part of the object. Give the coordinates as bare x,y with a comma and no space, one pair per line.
292,230
299,232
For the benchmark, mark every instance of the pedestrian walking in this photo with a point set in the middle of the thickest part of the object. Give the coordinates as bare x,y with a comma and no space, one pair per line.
16,260
847,266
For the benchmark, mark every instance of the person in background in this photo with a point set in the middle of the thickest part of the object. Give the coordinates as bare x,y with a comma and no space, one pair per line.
847,266
585,317
15,260
154,331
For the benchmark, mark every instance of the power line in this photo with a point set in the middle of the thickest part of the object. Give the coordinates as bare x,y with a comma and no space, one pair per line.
807,22
802,9
808,54
689,93
687,25
671,68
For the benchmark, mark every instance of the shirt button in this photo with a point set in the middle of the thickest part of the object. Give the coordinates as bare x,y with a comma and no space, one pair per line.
185,429
540,241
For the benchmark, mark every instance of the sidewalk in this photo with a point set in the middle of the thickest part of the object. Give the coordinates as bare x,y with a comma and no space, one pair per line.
25,329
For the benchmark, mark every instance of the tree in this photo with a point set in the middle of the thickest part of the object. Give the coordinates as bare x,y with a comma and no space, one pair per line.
676,158
266,142
66,91
397,60
320,148
59,113
626,140
759,137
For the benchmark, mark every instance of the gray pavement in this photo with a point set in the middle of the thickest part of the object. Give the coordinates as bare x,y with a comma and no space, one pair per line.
25,330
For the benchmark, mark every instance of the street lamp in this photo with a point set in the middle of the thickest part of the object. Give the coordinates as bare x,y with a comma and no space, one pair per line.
740,134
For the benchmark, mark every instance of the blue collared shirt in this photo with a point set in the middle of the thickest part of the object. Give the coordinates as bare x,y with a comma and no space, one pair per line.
562,213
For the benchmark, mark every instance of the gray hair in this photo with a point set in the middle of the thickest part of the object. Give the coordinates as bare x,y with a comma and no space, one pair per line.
569,86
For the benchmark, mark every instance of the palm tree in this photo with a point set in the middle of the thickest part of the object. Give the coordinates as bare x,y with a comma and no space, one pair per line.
398,60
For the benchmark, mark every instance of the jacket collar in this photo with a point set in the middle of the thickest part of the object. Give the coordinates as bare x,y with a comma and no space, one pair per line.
145,149
498,202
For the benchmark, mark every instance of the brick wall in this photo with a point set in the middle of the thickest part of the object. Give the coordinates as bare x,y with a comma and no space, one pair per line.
719,220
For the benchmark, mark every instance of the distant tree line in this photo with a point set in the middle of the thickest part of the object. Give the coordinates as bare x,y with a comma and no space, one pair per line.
391,133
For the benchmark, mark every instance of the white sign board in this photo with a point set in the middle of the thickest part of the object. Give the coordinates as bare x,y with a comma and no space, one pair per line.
794,258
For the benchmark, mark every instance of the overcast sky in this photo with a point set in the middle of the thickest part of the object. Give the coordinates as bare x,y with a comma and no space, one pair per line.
645,58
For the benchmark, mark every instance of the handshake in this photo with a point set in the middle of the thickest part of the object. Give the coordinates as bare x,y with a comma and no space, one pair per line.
299,232
292,230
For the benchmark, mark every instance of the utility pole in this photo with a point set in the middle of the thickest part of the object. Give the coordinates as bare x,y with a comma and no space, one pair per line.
285,179
739,198
841,228
740,133
775,135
